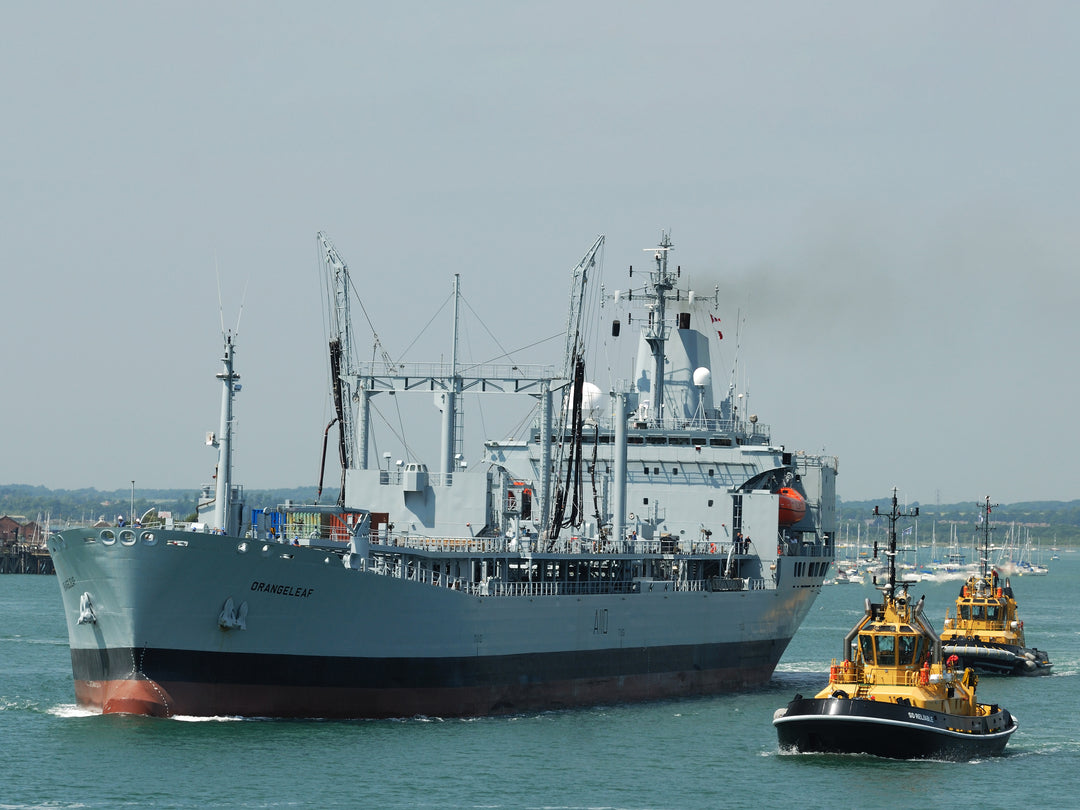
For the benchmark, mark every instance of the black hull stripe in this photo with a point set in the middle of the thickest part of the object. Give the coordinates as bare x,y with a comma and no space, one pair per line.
839,725
197,666
816,721
178,682
867,737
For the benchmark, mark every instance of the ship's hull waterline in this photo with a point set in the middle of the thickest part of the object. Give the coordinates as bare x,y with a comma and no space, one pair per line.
294,687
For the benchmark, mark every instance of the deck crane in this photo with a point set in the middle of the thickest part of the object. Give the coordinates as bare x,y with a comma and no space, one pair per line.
352,447
573,369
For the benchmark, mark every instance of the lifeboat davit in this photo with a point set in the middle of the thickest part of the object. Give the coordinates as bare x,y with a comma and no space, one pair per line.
792,506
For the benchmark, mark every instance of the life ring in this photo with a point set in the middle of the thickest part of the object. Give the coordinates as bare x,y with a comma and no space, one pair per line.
712,548
631,516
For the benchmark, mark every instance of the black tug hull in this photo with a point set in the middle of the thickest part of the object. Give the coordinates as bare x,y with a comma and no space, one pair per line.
842,725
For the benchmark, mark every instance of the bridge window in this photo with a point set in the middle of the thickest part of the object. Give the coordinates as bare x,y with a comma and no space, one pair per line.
866,646
886,651
909,648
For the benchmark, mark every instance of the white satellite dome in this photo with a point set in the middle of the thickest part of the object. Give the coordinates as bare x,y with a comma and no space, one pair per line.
590,396
702,376
592,399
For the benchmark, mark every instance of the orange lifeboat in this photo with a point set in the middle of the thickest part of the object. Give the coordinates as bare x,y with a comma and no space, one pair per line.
792,506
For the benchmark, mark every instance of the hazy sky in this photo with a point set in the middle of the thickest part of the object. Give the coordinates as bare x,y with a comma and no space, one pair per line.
886,194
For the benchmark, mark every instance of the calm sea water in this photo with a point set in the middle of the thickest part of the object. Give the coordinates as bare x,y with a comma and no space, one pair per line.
699,753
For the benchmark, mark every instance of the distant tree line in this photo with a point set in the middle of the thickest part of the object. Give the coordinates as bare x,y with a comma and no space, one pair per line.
1046,522
61,507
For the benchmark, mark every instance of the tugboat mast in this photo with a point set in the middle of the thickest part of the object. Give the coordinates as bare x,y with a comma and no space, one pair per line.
894,515
986,537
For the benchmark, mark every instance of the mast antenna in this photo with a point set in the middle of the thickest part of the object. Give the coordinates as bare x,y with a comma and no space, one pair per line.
894,515
986,535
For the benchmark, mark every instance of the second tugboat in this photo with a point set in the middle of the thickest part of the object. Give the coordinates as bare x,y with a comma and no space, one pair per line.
986,634
892,694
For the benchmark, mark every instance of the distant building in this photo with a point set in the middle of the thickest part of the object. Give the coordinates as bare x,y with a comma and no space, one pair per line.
12,532
31,534
9,530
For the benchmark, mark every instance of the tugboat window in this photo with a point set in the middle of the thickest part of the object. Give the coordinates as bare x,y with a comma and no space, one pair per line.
909,648
992,613
886,651
867,644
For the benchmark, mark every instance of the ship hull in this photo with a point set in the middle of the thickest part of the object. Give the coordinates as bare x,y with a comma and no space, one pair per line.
842,725
202,683
321,640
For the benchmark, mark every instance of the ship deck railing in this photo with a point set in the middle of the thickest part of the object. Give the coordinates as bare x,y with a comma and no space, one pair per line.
400,569
880,676
876,676
575,545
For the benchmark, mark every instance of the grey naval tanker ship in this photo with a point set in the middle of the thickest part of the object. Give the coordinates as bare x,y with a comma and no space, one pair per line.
644,543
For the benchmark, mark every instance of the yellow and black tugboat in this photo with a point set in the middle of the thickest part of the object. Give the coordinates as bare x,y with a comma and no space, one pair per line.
986,634
892,694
